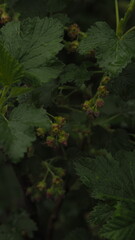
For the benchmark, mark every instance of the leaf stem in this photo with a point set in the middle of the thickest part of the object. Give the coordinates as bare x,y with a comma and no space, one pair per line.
130,30
123,22
50,115
117,15
3,98
49,169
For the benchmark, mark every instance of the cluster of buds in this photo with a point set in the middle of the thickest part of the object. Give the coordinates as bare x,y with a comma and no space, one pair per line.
90,109
72,46
40,132
57,134
73,31
102,91
4,16
56,189
36,191
105,80
52,186
75,35
92,106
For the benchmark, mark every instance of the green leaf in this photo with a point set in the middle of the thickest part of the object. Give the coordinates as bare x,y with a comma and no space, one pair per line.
112,141
100,214
17,91
18,133
10,70
23,223
46,73
124,84
11,39
76,74
6,233
122,225
35,43
109,178
113,54
63,18
44,94
16,226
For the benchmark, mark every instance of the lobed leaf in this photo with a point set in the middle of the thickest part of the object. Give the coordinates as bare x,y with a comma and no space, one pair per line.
34,43
113,54
17,134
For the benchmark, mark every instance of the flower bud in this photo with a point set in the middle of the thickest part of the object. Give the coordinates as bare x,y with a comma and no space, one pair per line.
4,18
57,180
102,91
41,186
73,31
99,102
60,120
72,46
40,132
50,141
55,128
63,137
105,79
49,193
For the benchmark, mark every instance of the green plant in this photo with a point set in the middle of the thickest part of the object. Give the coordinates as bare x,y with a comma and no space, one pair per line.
66,109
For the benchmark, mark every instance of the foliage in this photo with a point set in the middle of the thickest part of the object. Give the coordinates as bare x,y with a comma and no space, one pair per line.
67,120
113,54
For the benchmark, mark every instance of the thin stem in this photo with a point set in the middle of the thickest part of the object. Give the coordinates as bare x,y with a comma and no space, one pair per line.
46,175
50,115
117,15
130,30
123,21
112,118
129,12
46,165
3,97
68,95
105,122
49,169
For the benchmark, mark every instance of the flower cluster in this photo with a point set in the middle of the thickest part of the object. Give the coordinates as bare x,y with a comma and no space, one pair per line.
56,189
50,186
57,133
90,109
92,106
102,91
75,35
